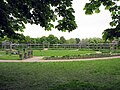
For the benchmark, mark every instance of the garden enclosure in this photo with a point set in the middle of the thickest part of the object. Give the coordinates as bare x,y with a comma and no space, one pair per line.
60,46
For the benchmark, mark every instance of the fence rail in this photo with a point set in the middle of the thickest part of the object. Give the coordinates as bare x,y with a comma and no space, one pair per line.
64,46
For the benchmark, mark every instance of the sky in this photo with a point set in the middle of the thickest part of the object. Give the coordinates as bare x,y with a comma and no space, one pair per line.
89,26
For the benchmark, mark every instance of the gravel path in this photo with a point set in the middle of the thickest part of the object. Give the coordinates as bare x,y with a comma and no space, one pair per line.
39,59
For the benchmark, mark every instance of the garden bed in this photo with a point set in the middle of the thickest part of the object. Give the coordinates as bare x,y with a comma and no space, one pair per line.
83,56
61,52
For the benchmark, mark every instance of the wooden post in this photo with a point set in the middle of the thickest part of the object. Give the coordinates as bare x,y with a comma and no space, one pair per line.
20,56
29,54
25,55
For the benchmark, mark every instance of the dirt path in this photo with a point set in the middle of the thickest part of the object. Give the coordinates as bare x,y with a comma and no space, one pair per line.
39,59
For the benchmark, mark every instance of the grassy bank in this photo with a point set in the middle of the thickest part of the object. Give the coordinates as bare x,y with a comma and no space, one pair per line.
4,56
83,75
61,52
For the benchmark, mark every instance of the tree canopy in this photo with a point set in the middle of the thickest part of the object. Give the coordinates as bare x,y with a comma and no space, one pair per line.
114,8
14,14
62,40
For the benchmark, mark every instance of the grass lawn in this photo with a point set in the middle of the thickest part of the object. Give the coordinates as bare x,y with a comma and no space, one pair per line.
83,75
3,56
61,52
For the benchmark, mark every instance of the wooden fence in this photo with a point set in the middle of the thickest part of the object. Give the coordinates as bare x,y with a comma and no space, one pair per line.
63,46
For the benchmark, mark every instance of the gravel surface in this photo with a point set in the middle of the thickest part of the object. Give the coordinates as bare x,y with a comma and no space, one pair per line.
39,59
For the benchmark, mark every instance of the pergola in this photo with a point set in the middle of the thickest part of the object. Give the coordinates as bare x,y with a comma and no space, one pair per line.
6,45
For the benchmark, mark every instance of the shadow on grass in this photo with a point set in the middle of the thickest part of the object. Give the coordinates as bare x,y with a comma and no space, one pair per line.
76,85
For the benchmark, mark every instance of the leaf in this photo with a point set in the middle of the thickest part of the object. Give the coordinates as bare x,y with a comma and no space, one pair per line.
88,12
97,10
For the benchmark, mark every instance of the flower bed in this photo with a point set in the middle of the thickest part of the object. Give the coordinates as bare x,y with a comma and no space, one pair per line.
100,55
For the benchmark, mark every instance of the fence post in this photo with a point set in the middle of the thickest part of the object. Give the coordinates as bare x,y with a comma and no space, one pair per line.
25,55
20,56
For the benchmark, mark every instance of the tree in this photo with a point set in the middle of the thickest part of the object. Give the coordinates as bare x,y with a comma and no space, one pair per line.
71,41
27,39
114,8
14,14
21,39
86,40
96,40
33,40
62,40
77,40
111,33
42,39
52,39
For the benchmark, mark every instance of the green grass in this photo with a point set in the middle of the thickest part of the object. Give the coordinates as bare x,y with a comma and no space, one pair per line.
83,75
3,56
61,52
8,57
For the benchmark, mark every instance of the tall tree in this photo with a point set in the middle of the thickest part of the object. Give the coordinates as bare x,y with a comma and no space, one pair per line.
15,13
71,41
33,40
52,39
42,39
95,40
27,39
62,40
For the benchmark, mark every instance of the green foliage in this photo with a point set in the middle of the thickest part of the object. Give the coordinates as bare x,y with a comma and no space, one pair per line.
77,40
114,8
81,56
16,13
52,39
92,40
41,40
62,40
71,41
27,39
111,34
20,39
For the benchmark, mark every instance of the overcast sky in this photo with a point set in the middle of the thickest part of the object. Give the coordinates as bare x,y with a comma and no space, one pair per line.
89,26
